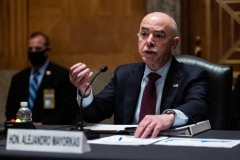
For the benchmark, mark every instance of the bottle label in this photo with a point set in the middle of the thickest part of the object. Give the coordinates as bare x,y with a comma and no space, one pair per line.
49,98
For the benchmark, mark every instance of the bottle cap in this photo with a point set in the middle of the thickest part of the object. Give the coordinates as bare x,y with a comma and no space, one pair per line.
24,104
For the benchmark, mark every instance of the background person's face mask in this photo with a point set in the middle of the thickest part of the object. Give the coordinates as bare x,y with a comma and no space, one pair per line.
37,58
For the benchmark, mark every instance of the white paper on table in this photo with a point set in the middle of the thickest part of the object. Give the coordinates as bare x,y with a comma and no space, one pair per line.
108,127
126,140
218,143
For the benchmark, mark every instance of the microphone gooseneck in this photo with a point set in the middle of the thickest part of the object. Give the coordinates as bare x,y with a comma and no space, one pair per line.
80,123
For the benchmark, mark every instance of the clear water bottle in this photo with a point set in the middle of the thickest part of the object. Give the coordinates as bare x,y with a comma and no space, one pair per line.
24,113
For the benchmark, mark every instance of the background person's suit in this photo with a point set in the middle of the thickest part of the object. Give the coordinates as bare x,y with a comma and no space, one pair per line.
65,95
121,95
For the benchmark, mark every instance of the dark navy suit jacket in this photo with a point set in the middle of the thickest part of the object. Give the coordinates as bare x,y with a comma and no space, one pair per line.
121,95
65,95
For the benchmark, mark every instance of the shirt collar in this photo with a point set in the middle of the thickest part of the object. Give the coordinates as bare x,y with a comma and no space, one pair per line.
162,71
42,69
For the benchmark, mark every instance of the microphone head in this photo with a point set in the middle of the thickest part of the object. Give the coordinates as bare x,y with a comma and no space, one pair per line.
103,68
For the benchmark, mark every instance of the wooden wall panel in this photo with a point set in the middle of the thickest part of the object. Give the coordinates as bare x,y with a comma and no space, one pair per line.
95,32
229,39
218,24
13,34
193,26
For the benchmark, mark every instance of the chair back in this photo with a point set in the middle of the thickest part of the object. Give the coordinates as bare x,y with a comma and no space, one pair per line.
220,88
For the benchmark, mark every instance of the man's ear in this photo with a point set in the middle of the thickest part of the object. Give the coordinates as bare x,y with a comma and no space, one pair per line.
175,43
48,48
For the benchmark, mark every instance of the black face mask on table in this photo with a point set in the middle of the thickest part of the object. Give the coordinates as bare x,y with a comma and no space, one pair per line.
37,58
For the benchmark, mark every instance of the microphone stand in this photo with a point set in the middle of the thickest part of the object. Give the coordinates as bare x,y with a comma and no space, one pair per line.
89,133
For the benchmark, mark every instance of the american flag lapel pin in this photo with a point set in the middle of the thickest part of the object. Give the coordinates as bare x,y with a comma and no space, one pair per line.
175,85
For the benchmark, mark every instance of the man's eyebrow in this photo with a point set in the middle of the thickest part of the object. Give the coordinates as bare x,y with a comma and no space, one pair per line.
144,28
161,31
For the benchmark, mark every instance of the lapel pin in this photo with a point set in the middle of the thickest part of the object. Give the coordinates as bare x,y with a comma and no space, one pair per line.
175,85
48,73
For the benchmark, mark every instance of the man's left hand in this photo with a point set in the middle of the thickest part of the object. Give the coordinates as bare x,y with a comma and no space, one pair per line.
153,124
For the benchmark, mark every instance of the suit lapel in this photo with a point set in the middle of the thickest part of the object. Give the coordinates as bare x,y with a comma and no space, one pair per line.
45,82
171,86
132,92
47,77
25,84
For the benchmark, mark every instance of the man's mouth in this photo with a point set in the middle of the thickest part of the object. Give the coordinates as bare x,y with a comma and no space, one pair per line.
149,52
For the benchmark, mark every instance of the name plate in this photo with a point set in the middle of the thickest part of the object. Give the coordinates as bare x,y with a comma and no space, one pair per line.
47,141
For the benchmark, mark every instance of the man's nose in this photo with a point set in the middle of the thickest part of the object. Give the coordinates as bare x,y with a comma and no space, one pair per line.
34,50
150,41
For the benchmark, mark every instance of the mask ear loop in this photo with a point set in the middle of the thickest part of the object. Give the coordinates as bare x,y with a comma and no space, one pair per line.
47,49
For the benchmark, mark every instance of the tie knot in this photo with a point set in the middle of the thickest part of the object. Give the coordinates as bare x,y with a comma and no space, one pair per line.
153,77
36,72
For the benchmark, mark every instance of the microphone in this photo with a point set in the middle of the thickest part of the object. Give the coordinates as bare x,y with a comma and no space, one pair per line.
80,124
102,69
89,134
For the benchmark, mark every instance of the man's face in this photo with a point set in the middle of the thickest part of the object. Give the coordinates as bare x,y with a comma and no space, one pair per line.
156,40
36,44
37,51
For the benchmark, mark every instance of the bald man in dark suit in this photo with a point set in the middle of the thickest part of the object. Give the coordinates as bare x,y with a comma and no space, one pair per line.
181,90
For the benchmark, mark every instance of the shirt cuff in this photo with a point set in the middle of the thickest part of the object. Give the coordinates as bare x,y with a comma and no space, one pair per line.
180,118
86,101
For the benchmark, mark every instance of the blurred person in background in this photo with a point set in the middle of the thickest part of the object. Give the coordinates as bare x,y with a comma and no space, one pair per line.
44,85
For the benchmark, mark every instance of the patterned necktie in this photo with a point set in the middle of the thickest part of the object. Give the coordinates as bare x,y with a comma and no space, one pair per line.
33,90
149,98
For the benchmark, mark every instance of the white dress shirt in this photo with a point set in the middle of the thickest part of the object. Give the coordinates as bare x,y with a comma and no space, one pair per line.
41,73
